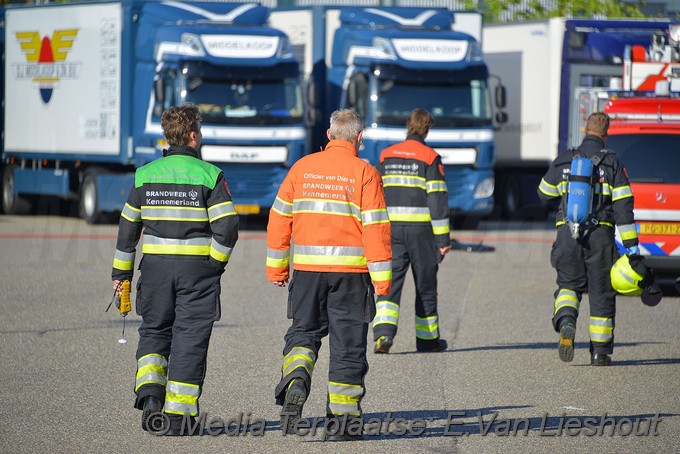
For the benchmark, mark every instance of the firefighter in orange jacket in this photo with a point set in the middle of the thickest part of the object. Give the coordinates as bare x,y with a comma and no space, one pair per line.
418,207
333,206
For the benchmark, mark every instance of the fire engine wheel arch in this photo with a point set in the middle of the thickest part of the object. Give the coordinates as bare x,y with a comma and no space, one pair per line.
88,206
12,202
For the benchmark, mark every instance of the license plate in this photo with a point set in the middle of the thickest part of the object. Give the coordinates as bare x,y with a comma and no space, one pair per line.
247,209
658,228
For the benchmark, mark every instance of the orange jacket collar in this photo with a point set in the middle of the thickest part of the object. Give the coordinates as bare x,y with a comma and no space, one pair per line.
341,145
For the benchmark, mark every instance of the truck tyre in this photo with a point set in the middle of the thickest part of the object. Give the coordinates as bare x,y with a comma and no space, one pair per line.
89,210
509,196
12,203
465,222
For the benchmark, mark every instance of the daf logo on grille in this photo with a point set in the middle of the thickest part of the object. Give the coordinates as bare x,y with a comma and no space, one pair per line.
661,197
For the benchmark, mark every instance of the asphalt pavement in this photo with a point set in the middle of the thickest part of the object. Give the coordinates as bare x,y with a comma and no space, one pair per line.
66,383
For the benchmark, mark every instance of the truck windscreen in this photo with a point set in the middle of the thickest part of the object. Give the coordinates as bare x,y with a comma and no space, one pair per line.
244,98
452,101
648,158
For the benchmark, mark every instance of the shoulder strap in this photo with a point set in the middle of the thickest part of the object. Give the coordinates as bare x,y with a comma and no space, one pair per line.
576,153
598,157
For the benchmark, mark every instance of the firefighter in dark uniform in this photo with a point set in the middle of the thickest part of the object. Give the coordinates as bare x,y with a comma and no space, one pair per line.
190,228
583,260
417,204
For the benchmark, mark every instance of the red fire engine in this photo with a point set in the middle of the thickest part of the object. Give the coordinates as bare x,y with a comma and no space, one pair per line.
645,134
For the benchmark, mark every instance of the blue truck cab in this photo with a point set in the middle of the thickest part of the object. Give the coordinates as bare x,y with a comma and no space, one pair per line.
244,79
383,63
115,67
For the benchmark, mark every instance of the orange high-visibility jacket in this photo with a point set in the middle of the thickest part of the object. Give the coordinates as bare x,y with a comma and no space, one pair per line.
332,203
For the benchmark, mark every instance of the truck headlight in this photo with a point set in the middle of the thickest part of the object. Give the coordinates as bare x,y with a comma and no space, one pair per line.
484,189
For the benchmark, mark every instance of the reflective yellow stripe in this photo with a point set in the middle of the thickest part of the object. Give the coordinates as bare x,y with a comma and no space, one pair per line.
377,216
427,328
278,263
278,259
172,213
548,189
175,249
398,217
221,210
404,181
131,213
123,265
219,256
181,398
387,312
436,186
440,227
298,357
566,298
151,369
441,230
320,206
627,231
283,208
601,329
329,255
219,252
379,276
305,259
604,188
344,399
621,192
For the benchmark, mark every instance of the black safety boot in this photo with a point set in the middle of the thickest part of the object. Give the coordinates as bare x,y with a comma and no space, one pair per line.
383,344
296,395
600,359
565,348
151,413
344,429
427,346
181,426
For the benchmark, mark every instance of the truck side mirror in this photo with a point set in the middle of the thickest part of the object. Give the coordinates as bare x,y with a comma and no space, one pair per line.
352,93
500,96
159,95
312,96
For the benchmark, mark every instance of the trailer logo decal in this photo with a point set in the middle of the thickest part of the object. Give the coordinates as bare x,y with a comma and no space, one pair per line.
45,59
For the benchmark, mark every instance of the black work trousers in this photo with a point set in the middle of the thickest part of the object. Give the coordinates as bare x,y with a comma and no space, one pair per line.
414,246
179,300
584,265
340,305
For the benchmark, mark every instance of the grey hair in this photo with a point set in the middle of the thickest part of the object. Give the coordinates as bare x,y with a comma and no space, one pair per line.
346,125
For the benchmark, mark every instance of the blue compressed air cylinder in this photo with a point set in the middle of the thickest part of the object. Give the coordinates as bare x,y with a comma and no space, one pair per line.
580,197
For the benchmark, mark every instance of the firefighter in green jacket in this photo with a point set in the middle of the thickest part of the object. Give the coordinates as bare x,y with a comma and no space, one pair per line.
190,228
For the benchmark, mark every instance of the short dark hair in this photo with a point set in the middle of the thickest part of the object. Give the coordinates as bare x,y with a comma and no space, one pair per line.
178,122
598,123
419,122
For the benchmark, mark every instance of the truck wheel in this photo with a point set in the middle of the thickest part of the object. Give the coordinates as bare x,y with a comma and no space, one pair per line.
88,200
510,196
465,222
12,203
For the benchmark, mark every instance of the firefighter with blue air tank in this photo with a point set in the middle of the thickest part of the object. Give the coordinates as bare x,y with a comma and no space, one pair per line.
594,195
